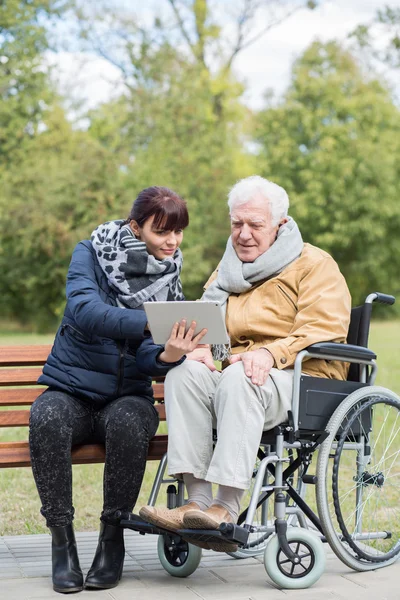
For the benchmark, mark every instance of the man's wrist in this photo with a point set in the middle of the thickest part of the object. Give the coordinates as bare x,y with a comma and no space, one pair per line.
270,353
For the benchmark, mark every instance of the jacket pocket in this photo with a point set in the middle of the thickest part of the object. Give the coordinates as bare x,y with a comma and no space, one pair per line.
287,296
75,333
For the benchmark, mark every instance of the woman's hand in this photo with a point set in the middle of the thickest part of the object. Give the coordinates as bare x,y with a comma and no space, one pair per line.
180,343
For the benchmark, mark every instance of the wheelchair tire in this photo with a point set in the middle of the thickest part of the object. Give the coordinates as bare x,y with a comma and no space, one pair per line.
358,492
178,557
312,559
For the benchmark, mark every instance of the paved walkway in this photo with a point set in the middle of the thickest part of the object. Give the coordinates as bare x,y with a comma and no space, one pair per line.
25,570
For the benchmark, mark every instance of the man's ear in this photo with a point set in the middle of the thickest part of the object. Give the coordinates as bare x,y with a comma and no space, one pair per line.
135,228
283,221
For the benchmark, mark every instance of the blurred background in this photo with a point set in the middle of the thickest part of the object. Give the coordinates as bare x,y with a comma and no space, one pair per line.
100,99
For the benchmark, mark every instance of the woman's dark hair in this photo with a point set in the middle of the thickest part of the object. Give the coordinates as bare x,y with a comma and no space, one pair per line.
169,209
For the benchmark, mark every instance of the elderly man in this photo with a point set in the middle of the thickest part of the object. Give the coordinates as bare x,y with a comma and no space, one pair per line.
280,296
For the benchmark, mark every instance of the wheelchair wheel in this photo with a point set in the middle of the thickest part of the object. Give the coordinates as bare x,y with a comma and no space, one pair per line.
310,567
358,470
179,558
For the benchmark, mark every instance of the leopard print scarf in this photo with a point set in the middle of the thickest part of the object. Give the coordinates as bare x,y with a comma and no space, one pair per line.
132,272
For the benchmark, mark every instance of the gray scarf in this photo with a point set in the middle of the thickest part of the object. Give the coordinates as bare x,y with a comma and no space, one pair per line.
236,277
136,275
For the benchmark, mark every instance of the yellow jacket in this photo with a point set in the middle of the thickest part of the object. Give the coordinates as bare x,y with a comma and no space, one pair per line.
307,302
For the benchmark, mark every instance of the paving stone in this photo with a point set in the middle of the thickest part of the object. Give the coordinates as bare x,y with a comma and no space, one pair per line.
24,559
11,574
8,558
125,591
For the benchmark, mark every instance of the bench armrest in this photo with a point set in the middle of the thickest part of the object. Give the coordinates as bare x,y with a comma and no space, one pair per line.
341,351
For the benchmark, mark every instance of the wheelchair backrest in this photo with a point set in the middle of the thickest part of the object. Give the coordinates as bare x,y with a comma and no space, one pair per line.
358,334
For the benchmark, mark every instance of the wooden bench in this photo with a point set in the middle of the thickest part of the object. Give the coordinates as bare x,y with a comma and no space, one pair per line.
20,367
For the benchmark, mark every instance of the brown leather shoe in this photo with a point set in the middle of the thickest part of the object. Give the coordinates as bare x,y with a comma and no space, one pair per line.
209,519
206,519
171,519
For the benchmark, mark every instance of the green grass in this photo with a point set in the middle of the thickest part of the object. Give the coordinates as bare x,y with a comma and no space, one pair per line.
19,338
19,502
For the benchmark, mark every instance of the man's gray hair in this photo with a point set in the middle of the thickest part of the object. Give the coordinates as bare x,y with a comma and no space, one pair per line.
276,198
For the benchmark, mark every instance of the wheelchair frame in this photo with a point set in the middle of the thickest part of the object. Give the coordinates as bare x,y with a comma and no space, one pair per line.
305,440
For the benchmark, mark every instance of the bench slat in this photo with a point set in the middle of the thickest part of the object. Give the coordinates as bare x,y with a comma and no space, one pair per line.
25,376
20,418
16,454
26,396
19,376
12,356
19,397
14,418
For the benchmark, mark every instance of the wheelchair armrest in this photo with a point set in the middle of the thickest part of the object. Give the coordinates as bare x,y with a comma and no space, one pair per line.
341,351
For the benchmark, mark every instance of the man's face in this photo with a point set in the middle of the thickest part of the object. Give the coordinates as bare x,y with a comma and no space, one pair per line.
252,231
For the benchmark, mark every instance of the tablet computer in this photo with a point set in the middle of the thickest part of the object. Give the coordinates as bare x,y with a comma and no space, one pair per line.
162,316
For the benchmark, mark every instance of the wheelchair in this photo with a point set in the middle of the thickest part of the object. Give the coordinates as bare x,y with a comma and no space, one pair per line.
351,501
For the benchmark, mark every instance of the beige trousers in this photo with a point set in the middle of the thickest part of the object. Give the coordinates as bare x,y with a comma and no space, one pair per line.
198,400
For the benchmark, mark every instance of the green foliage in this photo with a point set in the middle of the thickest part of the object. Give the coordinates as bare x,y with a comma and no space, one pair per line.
53,180
168,130
381,38
58,192
24,89
334,144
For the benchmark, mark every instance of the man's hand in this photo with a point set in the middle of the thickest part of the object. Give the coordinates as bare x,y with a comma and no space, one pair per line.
203,354
256,363
181,343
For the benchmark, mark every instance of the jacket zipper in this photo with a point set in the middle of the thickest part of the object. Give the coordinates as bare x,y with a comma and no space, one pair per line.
121,348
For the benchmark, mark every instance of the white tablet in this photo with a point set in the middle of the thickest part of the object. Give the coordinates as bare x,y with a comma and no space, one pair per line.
162,316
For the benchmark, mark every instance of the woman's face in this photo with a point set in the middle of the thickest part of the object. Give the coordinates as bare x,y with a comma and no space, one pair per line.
159,242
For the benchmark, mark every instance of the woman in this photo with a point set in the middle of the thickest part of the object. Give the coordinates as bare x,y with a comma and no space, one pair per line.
99,376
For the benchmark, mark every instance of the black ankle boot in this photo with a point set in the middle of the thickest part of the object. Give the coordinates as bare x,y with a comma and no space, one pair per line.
106,569
67,574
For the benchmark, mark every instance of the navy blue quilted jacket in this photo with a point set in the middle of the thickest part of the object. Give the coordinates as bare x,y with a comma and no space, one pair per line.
100,351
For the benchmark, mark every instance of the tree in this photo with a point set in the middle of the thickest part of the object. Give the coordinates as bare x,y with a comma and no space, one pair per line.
165,132
53,197
208,34
24,88
333,142
26,97
180,120
385,27
200,26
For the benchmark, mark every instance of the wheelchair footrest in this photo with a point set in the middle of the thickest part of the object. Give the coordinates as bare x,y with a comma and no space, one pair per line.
227,532
136,523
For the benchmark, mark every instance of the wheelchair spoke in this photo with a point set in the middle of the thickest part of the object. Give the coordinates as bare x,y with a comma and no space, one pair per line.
364,501
306,556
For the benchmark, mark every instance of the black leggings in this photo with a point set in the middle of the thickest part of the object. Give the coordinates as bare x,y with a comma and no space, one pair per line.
58,421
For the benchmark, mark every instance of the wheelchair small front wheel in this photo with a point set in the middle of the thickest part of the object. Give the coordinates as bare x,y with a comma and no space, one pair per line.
178,557
311,563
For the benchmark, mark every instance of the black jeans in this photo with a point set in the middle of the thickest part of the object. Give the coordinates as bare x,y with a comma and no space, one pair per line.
58,421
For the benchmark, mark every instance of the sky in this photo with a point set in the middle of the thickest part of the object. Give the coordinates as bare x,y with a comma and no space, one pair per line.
266,65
